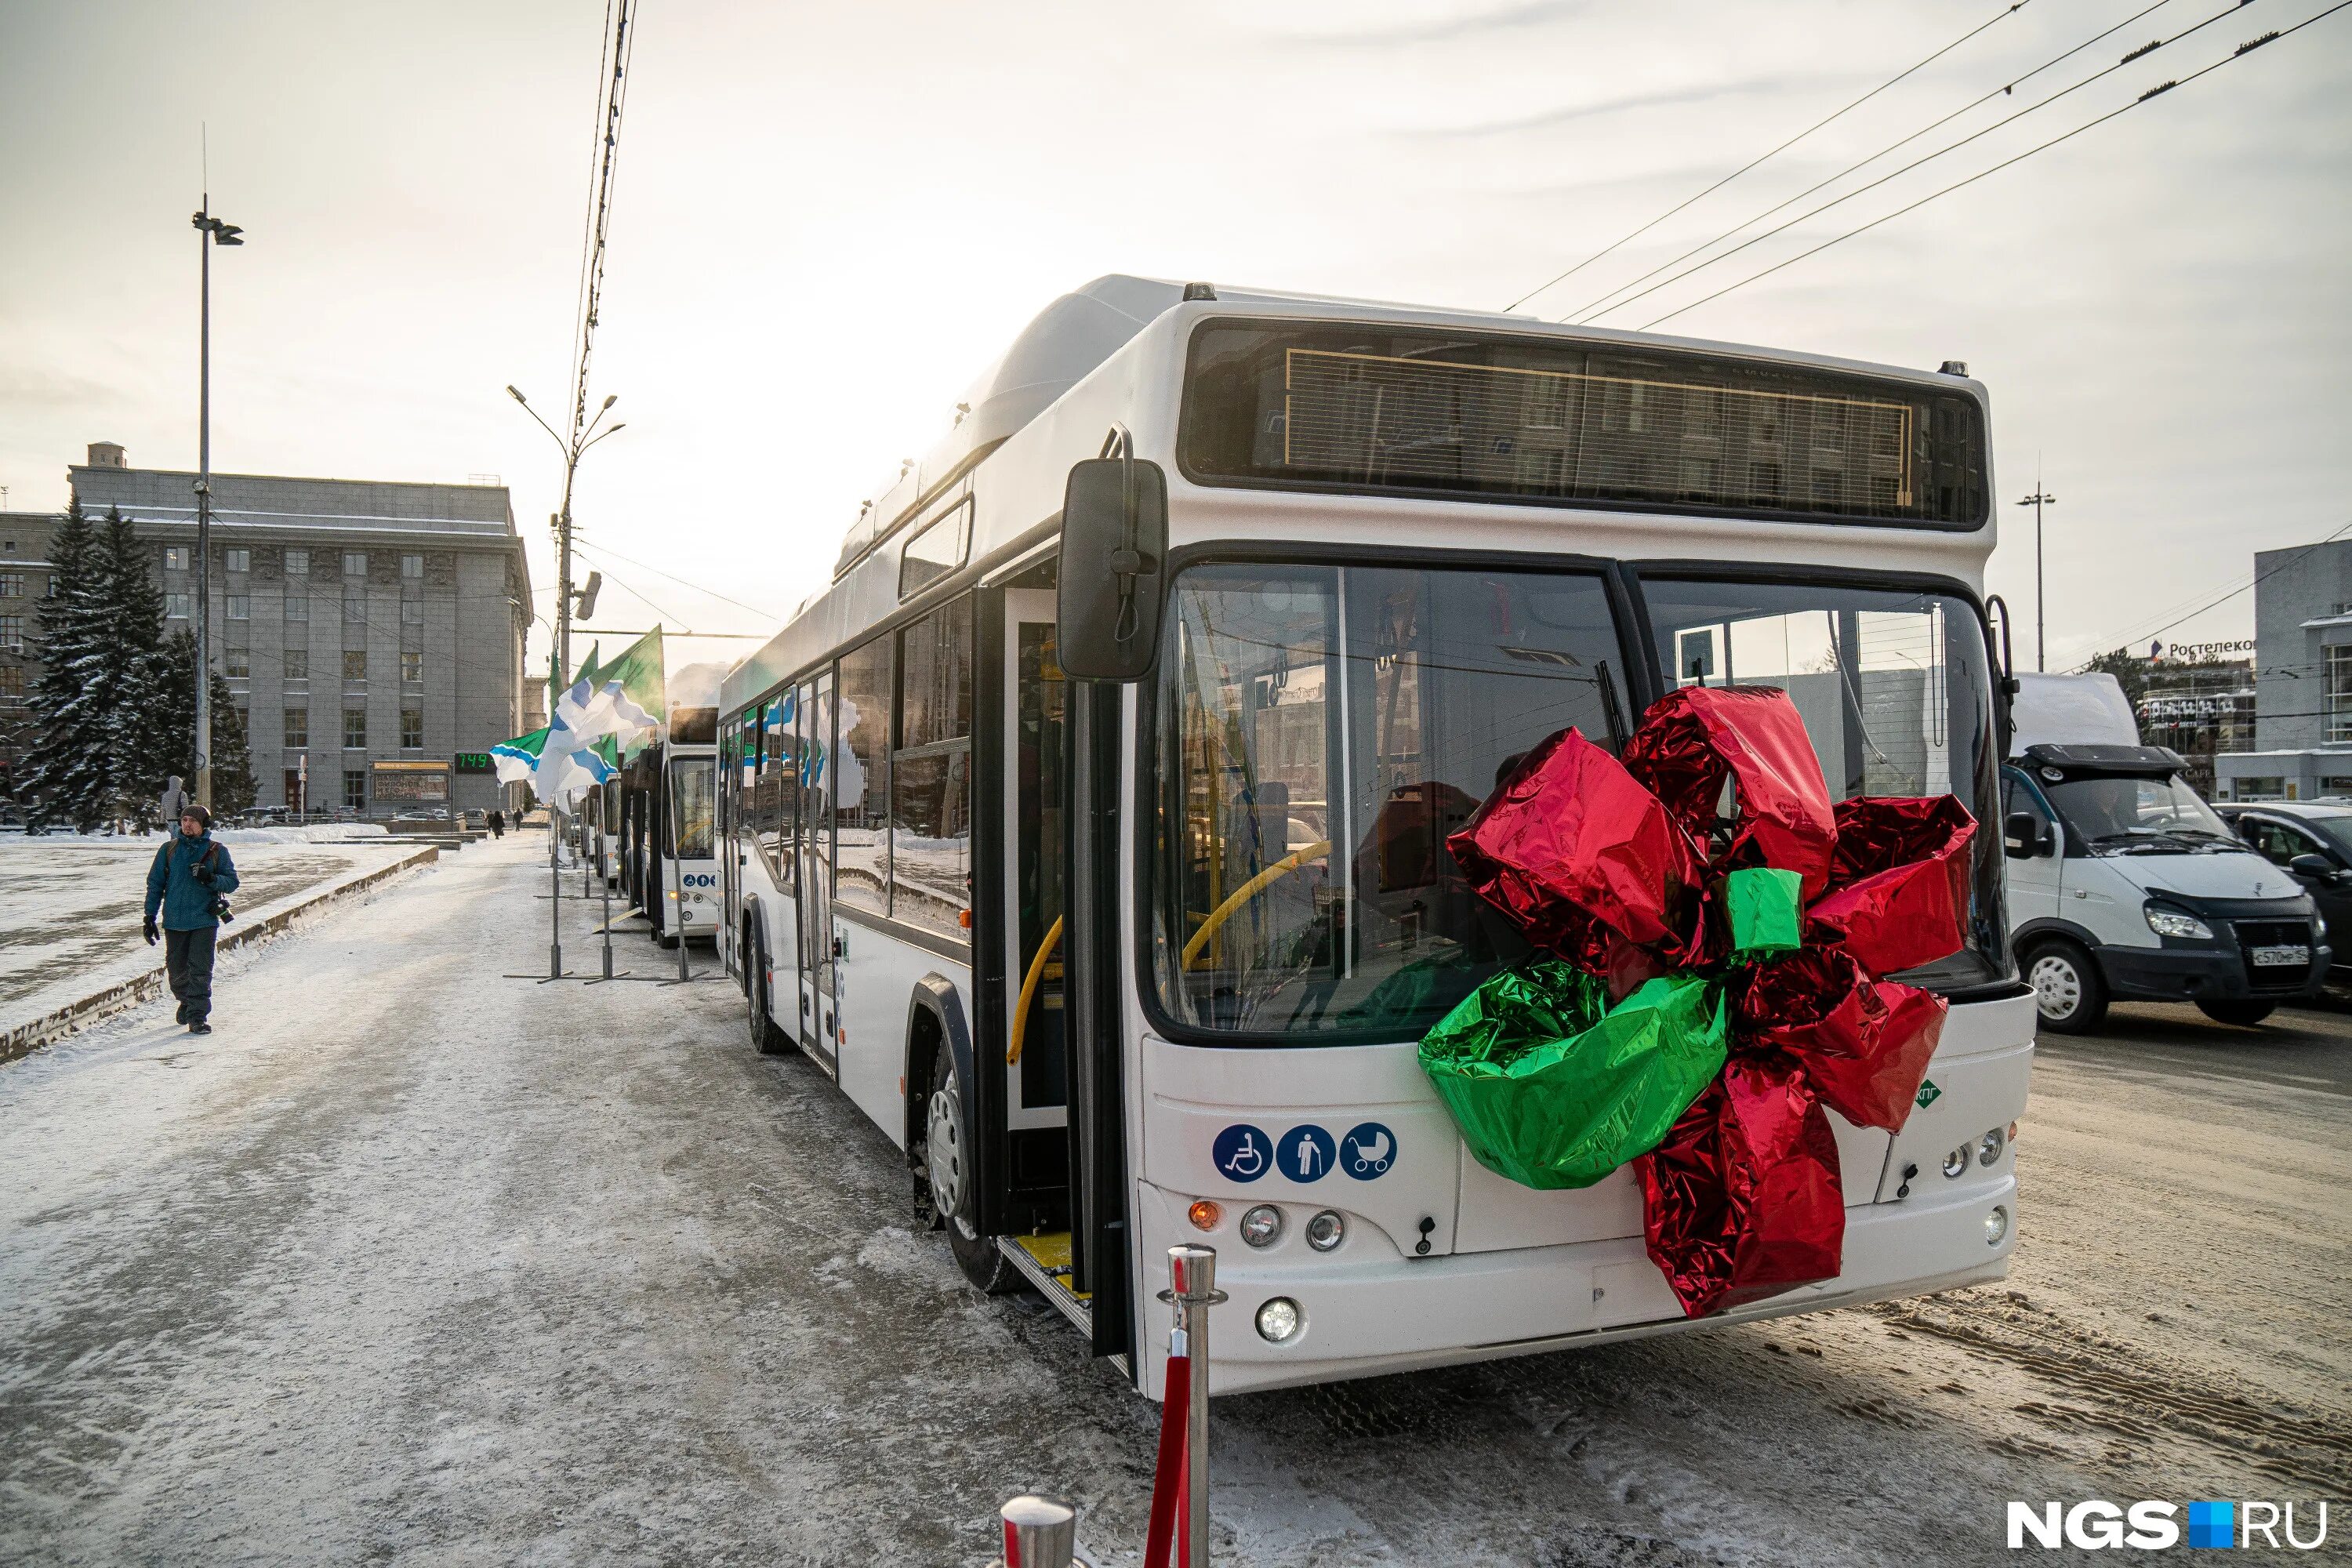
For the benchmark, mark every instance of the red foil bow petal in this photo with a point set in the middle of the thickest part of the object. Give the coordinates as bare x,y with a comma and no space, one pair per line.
1899,883
1741,1201
1862,1044
1690,740
1571,849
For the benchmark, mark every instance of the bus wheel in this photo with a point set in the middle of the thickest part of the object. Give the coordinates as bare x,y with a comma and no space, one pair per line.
948,1176
768,1038
2068,992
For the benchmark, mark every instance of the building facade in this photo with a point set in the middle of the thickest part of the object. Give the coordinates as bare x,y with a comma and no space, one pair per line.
2303,678
364,627
24,583
2201,706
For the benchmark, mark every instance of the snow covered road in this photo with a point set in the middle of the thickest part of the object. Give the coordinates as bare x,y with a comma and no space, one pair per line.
412,1263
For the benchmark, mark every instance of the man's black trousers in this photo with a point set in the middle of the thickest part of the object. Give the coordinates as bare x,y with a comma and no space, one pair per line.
188,960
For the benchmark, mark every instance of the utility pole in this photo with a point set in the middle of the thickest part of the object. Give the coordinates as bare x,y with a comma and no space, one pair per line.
210,231
2037,500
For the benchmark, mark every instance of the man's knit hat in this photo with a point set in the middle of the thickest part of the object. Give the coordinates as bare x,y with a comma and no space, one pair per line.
200,812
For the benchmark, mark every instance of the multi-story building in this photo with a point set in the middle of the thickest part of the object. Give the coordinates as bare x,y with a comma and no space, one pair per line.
24,583
2200,703
367,629
2303,678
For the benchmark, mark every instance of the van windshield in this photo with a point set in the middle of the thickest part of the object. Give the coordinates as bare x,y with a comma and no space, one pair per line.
2114,815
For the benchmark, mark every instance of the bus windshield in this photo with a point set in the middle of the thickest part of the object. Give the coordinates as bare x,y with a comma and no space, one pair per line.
1322,729
694,796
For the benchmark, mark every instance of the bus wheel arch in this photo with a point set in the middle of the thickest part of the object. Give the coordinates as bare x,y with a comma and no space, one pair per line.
940,1133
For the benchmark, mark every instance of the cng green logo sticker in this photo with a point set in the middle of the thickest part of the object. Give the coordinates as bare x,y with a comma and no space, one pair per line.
1928,1094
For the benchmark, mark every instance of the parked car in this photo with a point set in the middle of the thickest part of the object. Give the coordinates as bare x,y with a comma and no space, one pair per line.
2310,841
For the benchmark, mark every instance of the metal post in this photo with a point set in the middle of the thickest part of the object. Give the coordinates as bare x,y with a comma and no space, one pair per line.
1040,1532
679,921
205,517
1192,1290
2037,500
554,837
607,881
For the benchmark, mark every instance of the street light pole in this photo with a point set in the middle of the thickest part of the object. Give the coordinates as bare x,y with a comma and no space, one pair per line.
210,231
2037,500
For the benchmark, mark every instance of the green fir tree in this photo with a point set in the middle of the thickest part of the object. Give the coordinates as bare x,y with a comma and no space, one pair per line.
170,732
65,778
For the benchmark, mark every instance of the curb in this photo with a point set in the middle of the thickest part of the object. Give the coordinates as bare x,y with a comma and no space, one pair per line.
26,1039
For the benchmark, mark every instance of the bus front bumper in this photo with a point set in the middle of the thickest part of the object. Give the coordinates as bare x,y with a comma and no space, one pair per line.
1377,1312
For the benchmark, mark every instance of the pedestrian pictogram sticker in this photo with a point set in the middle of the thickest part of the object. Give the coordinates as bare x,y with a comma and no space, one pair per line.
1305,1154
1242,1152
1367,1151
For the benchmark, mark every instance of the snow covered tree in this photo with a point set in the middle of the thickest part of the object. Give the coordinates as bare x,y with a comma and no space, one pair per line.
169,739
64,777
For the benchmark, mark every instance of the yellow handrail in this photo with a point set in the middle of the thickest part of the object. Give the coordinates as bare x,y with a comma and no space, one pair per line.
1029,992
1242,894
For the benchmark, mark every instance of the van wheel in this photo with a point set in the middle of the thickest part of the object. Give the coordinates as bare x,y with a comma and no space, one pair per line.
2067,991
947,1178
2239,1012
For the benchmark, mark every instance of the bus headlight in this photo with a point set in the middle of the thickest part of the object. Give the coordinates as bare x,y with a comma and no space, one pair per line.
1278,1321
1326,1231
1990,1146
1996,1226
1955,1163
1261,1226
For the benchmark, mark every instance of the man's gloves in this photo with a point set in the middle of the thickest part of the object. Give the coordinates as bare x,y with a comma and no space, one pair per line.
202,873
147,930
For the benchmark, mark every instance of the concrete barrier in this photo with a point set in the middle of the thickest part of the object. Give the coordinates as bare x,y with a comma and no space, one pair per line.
27,1037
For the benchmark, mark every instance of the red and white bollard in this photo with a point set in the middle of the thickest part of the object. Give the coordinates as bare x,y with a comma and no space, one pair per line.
1178,1534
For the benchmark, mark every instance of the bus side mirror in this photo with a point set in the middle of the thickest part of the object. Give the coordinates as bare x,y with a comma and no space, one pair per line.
1113,569
2021,836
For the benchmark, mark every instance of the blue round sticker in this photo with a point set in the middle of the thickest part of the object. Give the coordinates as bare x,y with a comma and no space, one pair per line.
1305,1154
1367,1151
1242,1152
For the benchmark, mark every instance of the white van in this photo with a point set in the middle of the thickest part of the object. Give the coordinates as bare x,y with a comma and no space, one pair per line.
2125,885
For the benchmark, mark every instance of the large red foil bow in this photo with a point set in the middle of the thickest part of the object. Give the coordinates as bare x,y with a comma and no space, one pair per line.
1613,866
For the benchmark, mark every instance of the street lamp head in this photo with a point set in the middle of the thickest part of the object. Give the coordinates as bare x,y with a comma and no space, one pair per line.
616,397
227,233
517,395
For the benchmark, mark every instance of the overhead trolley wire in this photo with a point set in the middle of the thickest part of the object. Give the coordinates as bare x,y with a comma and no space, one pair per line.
2162,87
1595,306
2132,638
1764,158
2138,54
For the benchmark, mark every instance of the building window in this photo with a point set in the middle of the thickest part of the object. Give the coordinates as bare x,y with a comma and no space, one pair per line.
354,608
355,789
11,584
240,606
12,633
412,566
354,562
412,612
411,729
355,664
238,558
298,664
297,728
236,662
412,668
2339,692
297,563
175,558
175,605
297,607
356,729
12,683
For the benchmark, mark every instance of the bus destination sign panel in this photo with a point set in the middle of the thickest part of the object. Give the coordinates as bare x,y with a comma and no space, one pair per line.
1521,418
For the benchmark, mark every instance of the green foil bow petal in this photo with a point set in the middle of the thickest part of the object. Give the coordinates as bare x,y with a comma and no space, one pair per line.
1552,1088
1764,907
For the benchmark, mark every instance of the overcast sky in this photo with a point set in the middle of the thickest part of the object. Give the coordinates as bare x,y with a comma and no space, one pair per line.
831,217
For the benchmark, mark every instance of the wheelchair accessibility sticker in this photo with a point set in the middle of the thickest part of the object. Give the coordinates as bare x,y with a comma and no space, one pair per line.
1367,1151
1242,1152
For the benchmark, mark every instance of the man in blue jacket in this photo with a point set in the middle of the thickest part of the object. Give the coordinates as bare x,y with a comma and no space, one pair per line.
188,884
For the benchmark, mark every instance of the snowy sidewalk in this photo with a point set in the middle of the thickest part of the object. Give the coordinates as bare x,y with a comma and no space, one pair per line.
71,949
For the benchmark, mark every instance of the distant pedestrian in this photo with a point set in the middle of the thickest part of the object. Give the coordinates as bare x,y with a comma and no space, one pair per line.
188,885
497,825
167,807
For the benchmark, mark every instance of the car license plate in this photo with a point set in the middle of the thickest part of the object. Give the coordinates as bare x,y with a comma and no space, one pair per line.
2278,957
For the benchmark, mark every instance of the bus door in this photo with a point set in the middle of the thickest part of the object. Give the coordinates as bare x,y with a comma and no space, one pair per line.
1037,1086
817,1022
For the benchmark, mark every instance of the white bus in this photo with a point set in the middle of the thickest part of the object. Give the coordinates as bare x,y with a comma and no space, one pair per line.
668,803
1123,963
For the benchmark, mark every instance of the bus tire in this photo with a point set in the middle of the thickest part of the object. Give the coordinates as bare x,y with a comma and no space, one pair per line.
947,1177
769,1039
2069,997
